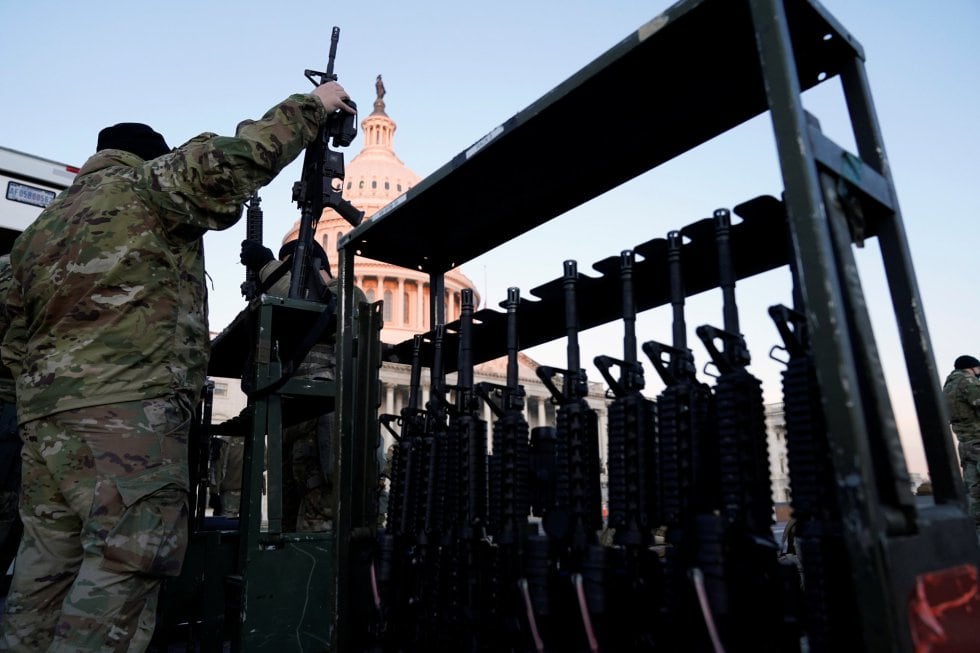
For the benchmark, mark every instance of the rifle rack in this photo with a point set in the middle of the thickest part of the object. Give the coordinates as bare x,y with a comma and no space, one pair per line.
760,55
285,579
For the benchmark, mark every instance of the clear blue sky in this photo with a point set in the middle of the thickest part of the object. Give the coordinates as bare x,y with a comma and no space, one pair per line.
454,70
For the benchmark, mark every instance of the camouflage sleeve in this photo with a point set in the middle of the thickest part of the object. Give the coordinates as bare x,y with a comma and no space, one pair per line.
6,276
203,183
970,390
14,334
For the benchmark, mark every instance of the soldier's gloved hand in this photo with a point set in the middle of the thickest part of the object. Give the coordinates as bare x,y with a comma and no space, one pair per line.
255,255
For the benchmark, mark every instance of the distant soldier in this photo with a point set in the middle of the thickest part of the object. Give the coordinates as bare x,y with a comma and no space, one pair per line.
108,344
309,445
226,481
962,390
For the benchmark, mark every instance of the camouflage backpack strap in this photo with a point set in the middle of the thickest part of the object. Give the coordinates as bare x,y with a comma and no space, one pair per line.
277,274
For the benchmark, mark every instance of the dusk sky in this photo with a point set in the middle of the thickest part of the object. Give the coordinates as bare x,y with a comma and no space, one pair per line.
453,71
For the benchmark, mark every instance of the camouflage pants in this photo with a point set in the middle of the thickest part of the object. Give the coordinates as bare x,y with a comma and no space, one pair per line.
315,512
970,462
232,502
9,528
104,506
227,471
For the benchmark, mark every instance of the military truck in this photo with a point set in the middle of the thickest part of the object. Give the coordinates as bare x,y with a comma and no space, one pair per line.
29,183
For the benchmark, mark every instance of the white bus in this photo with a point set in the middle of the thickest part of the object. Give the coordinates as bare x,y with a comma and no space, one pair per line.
29,183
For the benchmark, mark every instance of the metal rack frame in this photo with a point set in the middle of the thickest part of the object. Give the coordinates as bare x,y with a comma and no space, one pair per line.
760,55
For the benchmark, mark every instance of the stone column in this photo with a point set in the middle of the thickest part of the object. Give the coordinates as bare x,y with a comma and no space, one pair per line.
400,302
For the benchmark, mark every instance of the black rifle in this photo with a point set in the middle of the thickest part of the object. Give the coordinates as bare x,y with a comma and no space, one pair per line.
397,575
417,506
632,462
322,166
688,468
312,193
830,615
632,477
466,462
253,232
433,550
469,435
514,611
751,613
575,521
400,520
509,501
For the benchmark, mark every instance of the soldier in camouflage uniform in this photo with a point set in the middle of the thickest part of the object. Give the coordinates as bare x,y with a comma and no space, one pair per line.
108,343
226,481
10,526
308,444
962,390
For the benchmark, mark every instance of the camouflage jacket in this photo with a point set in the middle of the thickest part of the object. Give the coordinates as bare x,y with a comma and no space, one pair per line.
109,301
962,390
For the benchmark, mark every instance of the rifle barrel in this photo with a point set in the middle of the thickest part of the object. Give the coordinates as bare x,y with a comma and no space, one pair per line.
571,317
513,344
334,38
679,327
726,269
626,261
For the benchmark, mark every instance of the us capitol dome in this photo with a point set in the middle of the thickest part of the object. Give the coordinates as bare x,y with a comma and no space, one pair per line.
375,177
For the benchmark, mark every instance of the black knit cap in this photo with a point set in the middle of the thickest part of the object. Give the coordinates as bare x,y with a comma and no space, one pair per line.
965,363
133,137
